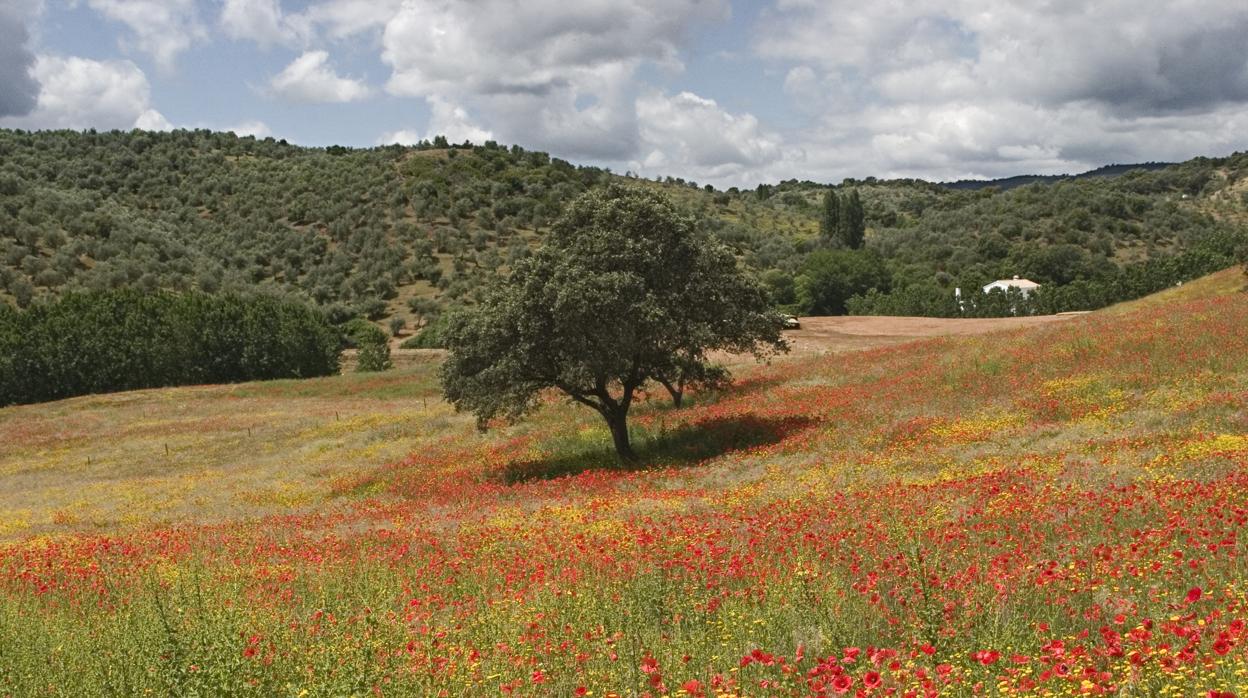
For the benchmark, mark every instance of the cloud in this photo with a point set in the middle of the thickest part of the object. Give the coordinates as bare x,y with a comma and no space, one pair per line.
80,93
18,88
255,128
552,75
263,22
693,135
447,119
161,28
152,120
988,88
341,19
310,78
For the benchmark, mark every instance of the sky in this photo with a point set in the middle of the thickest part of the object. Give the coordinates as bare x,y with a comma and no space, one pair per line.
726,92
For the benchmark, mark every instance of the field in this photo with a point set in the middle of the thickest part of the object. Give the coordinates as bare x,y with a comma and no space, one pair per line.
1047,510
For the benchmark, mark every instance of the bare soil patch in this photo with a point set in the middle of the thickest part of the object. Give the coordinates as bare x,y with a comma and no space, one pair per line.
821,335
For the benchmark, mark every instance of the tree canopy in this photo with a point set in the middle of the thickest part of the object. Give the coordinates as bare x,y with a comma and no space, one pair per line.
624,291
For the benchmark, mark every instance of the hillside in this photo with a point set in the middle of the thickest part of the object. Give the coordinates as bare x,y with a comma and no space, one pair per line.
1022,180
1053,510
404,232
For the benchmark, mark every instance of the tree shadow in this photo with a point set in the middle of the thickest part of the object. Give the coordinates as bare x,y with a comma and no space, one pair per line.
683,446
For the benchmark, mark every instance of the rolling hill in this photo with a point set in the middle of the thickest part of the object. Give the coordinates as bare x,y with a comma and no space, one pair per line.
404,232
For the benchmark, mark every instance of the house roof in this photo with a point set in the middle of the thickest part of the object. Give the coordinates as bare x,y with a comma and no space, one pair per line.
1013,283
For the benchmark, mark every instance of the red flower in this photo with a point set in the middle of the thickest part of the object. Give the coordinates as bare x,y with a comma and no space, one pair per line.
871,679
842,684
1221,646
1193,595
693,687
986,657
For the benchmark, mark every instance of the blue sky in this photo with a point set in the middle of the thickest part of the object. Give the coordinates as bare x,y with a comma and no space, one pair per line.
722,91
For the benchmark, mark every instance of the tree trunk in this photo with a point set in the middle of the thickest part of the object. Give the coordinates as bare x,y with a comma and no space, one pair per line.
618,422
676,390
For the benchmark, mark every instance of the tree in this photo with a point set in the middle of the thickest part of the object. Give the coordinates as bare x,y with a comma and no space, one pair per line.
829,278
830,221
853,221
624,291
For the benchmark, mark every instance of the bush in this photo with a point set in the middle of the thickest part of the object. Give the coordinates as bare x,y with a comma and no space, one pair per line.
104,341
372,344
431,337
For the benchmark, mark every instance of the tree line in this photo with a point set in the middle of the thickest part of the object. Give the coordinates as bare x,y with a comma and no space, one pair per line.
103,341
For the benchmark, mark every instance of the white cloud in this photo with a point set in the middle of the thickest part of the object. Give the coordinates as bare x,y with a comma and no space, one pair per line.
152,120
263,22
259,129
341,19
559,76
447,119
310,78
79,93
161,28
988,88
692,135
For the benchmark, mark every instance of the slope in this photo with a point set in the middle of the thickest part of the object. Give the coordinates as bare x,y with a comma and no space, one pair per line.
1054,510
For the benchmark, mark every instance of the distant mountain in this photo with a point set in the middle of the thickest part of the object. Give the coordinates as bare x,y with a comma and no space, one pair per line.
1005,183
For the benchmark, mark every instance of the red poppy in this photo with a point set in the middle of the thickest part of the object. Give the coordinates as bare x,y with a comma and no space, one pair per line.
1193,595
986,657
871,679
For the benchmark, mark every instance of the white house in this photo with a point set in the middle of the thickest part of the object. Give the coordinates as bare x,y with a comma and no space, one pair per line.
1025,286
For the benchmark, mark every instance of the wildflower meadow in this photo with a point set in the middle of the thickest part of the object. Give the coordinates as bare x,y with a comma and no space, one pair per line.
1051,511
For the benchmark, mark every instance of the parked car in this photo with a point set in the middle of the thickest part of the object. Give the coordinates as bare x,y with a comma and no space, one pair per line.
790,322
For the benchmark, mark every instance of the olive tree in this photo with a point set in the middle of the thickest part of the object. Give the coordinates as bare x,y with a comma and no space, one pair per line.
623,292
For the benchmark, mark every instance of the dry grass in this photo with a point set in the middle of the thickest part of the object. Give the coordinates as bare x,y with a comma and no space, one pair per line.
206,453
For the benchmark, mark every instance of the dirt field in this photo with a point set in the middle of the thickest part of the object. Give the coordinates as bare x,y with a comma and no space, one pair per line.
820,335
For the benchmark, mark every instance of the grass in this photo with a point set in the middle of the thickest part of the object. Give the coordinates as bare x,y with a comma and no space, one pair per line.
206,453
1049,511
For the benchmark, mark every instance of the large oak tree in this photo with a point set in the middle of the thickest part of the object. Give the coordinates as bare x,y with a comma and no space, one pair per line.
624,291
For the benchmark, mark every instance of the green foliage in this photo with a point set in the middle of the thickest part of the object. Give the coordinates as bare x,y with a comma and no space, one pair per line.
397,324
624,291
1212,252
829,278
351,229
830,221
103,341
853,221
371,343
432,336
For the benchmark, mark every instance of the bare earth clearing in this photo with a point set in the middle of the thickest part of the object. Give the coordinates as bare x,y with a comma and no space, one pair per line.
819,335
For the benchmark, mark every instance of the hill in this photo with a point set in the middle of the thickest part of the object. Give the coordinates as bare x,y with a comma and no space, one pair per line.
404,232
1021,180
1044,510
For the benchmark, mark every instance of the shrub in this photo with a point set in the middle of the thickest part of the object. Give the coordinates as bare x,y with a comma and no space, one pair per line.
430,337
372,344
